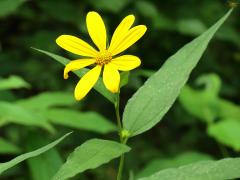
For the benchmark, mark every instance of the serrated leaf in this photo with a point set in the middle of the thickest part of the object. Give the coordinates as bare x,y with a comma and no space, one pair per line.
13,82
12,113
227,132
46,100
7,147
90,155
7,7
208,170
152,101
90,121
99,86
5,166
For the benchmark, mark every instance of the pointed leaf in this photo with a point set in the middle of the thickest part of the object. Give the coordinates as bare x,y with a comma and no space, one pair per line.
90,155
152,101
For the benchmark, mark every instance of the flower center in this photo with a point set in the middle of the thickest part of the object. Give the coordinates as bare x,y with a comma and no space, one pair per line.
103,58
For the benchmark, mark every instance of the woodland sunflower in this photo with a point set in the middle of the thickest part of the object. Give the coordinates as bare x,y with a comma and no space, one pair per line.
105,57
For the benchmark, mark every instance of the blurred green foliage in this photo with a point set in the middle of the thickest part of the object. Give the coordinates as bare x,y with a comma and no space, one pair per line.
37,105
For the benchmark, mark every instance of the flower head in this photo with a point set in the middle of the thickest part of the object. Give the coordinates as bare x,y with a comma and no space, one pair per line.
105,57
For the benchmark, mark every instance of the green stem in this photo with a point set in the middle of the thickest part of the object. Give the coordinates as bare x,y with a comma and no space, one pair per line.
121,163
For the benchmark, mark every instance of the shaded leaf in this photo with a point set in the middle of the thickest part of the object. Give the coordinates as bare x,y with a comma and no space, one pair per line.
7,147
151,102
208,170
5,166
8,7
90,155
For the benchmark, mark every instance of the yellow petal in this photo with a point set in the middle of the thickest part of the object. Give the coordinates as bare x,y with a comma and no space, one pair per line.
121,31
97,30
111,78
76,46
77,64
87,82
126,62
132,36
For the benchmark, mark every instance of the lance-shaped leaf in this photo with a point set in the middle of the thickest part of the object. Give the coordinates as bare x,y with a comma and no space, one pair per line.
90,155
5,166
99,86
208,170
152,101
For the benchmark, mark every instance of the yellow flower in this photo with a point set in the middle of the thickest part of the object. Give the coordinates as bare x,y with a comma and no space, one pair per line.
105,57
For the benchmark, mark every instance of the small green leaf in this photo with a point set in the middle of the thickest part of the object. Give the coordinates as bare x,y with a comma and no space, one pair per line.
152,101
8,148
90,155
227,132
90,121
5,166
99,86
48,99
11,113
8,7
13,82
208,170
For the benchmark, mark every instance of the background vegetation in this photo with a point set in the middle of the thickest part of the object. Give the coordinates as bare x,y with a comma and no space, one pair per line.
37,105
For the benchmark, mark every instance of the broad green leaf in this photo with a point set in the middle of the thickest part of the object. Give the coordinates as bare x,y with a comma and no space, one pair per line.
11,113
180,160
8,7
208,170
5,166
90,121
114,6
48,99
13,82
7,147
227,132
228,109
99,86
44,166
90,155
151,102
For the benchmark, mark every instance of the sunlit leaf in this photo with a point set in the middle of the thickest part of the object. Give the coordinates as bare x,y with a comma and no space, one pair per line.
47,100
13,82
90,121
90,155
151,102
227,132
5,166
207,170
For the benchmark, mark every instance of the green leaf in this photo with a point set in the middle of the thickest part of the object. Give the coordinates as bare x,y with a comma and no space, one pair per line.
8,7
8,148
11,113
180,160
152,101
208,170
114,6
5,166
227,132
44,166
13,82
90,155
99,86
81,120
48,99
